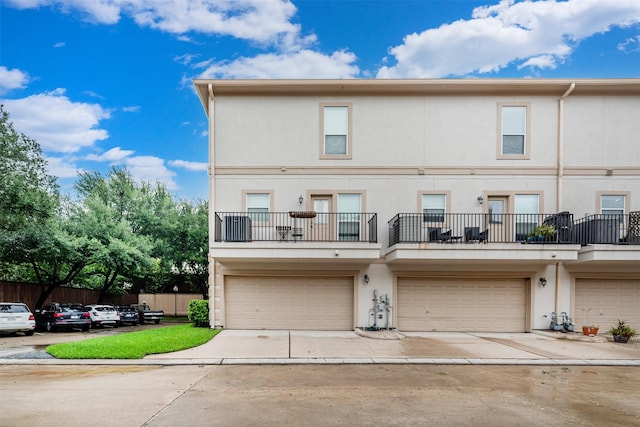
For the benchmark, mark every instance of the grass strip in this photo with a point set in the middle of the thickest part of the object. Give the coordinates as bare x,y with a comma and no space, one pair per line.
134,345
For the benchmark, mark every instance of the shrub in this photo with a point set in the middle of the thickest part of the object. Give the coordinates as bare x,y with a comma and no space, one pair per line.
199,313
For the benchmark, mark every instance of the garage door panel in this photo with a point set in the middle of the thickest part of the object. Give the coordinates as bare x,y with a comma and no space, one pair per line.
306,303
604,301
426,304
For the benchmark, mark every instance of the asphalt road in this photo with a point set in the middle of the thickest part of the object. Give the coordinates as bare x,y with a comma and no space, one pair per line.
319,395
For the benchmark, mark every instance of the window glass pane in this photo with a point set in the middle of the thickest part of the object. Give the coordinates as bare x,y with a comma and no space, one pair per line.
496,208
335,144
612,202
526,204
514,125
336,129
258,206
349,217
433,207
512,144
526,209
514,120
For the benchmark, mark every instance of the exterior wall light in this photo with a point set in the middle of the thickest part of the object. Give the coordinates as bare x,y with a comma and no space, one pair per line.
543,282
300,200
366,278
480,199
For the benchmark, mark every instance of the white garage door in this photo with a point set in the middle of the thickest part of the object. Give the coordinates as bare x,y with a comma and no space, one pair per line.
465,305
303,303
605,301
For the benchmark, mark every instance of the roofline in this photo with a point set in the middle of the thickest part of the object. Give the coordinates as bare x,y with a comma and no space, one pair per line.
403,87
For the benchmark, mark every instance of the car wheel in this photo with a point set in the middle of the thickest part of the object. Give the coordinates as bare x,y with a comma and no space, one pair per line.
51,327
28,333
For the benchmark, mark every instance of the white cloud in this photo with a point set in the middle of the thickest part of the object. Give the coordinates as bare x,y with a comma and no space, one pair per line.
61,167
12,79
265,21
631,44
116,154
56,123
190,166
132,109
151,169
535,33
301,64
59,45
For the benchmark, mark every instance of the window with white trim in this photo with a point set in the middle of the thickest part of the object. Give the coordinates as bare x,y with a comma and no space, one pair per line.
335,132
258,205
613,205
513,131
434,207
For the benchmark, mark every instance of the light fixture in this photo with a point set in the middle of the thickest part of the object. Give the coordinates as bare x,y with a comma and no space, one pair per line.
480,199
543,282
300,200
366,278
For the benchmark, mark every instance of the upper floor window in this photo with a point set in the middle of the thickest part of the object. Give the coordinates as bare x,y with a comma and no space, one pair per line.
613,205
336,130
514,135
434,207
258,206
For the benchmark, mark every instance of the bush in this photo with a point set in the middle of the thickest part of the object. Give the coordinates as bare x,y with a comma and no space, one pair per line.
199,313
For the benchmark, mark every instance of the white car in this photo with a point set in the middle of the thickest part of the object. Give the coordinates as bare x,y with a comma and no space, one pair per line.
103,315
16,317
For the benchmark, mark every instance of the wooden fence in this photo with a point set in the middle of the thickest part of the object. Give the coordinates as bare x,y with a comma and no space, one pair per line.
172,304
28,293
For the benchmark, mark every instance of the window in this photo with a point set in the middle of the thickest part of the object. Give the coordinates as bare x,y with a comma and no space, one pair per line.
433,207
514,127
613,205
496,209
335,125
258,205
527,214
349,208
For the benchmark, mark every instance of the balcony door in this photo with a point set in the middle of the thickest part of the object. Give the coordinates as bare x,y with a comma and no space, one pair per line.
321,228
498,222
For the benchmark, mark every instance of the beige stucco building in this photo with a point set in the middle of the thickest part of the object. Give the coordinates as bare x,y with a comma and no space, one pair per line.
412,204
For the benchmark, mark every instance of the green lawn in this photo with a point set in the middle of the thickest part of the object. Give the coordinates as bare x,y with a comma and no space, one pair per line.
135,345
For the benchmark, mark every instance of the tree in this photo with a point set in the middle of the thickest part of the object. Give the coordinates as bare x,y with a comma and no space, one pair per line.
27,194
109,211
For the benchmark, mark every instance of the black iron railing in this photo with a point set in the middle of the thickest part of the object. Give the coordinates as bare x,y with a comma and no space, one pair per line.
514,228
296,226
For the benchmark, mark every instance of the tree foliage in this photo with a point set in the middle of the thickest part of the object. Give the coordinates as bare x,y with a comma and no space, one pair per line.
27,193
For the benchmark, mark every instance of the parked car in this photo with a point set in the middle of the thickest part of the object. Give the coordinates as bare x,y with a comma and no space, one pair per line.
127,314
16,317
56,316
102,315
145,314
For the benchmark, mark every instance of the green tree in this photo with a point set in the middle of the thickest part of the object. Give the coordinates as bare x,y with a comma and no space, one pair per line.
27,194
112,210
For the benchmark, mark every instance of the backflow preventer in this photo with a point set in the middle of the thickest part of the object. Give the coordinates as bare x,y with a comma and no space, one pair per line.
380,314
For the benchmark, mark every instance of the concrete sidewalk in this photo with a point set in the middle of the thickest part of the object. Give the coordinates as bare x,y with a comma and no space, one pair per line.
233,347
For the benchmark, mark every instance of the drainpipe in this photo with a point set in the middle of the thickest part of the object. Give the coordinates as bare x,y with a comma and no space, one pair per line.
212,210
560,177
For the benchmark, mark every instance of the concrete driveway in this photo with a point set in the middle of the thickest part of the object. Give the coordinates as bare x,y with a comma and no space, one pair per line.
291,347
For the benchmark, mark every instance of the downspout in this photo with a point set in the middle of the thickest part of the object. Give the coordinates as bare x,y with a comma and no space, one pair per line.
560,177
212,209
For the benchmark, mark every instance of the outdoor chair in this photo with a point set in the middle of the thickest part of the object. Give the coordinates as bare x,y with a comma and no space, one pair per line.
472,234
437,235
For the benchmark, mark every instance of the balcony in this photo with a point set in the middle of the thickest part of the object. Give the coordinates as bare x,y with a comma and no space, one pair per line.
511,238
296,236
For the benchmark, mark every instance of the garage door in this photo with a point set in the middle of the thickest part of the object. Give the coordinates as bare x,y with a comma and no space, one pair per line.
304,303
607,300
465,305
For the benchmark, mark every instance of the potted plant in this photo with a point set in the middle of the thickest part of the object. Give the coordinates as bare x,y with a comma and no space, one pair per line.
542,232
622,332
589,329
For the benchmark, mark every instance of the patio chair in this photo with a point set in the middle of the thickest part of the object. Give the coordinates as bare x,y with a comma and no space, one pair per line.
437,235
472,234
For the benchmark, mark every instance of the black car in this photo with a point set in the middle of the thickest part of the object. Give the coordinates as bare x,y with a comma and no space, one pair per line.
128,314
56,316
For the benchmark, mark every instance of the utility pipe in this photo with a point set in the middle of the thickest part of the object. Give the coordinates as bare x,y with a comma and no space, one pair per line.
560,178
212,206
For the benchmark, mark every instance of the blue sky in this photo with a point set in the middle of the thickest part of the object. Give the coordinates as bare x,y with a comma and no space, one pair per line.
109,82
